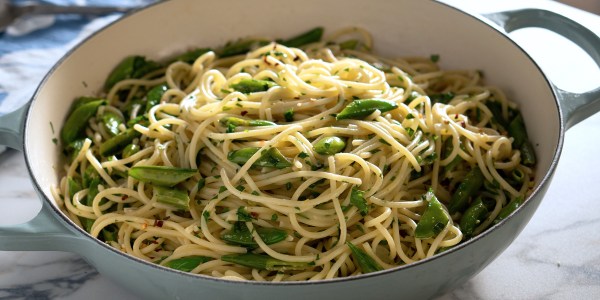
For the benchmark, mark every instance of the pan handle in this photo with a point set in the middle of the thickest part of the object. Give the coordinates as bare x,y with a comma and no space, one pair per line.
44,232
11,128
576,107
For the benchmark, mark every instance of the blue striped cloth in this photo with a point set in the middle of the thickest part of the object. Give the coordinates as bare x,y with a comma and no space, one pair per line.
30,47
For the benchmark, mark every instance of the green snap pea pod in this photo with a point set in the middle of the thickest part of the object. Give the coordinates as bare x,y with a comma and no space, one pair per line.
448,147
264,262
517,130
92,192
330,145
109,233
172,197
81,101
89,174
240,47
248,86
130,150
357,198
116,144
73,186
359,109
131,67
473,216
311,36
154,95
444,98
467,188
243,122
365,262
349,44
433,220
269,158
111,122
142,120
161,175
508,209
497,116
191,56
188,263
240,235
78,120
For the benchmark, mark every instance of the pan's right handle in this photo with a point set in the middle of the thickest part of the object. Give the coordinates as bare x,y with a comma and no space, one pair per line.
576,107
11,128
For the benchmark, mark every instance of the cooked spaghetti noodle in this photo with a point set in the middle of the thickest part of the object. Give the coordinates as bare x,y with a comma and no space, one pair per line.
370,193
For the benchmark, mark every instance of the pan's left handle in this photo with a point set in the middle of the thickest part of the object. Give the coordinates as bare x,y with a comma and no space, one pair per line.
45,231
576,107
11,128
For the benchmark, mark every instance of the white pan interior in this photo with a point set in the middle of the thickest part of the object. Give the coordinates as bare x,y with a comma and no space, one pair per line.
399,28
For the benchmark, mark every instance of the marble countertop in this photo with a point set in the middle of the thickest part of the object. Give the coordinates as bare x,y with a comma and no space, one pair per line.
557,256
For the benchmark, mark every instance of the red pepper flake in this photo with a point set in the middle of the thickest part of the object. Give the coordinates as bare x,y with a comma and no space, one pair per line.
297,98
124,197
296,58
462,123
254,214
265,60
159,223
456,116
154,242
243,113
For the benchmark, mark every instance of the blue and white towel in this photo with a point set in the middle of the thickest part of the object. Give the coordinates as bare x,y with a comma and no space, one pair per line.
30,47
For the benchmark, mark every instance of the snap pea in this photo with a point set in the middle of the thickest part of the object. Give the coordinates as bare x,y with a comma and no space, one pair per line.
116,144
161,175
109,233
154,95
448,147
516,129
81,101
78,120
311,36
444,98
142,120
269,158
433,220
244,122
365,262
73,186
131,67
240,47
471,184
495,108
263,262
188,263
473,216
172,197
359,109
111,122
240,235
191,56
130,150
349,45
89,174
330,145
508,209
248,86
92,192
357,198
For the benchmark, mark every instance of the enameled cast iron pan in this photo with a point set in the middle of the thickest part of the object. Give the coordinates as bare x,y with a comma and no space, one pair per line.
400,28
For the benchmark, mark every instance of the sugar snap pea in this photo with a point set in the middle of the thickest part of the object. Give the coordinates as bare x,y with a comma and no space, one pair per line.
359,109
89,174
172,197
434,218
116,144
109,233
154,95
365,262
357,198
330,145
111,122
161,175
78,120
349,45
240,47
516,129
248,86
240,235
226,121
130,150
81,101
311,36
497,117
188,263
191,56
263,262
269,158
73,186
467,188
448,148
131,67
474,215
508,209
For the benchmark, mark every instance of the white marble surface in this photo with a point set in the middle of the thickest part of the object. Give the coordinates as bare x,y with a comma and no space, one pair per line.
557,256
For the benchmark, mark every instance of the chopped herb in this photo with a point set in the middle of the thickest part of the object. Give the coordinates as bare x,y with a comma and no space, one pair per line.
410,131
357,198
222,189
201,183
206,215
288,186
243,215
384,142
289,115
255,193
240,188
410,116
55,141
274,217
302,155
435,57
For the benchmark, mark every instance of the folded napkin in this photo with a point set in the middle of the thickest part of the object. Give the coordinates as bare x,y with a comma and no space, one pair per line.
32,45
